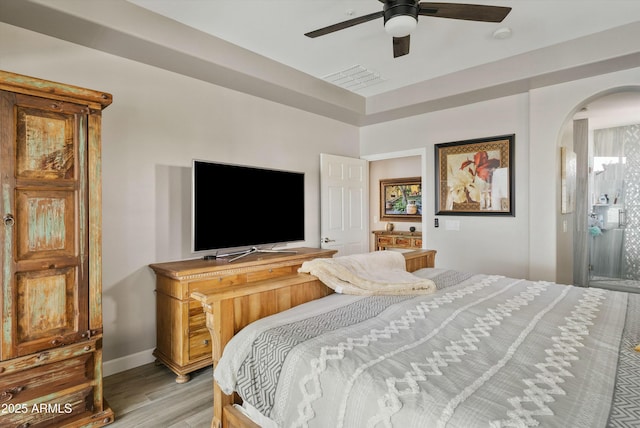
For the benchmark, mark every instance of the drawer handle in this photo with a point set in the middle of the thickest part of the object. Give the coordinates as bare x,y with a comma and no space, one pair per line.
10,393
206,341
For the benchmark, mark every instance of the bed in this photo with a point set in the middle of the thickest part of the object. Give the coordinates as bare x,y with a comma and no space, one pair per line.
477,350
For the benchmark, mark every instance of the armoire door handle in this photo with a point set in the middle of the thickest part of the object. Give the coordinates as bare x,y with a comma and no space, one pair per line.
8,220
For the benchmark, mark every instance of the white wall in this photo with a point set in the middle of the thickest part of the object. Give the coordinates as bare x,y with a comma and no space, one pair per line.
550,108
479,245
159,121
527,244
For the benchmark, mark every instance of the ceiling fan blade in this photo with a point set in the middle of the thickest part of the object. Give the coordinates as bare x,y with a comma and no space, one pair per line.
469,12
400,46
345,24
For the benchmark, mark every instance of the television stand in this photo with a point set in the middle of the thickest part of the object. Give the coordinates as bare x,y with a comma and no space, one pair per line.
183,342
258,250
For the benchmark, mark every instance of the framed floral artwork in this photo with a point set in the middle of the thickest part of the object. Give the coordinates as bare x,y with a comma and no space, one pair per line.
401,199
475,177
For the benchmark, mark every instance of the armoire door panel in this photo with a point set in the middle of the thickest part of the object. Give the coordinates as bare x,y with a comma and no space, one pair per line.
45,144
47,312
45,224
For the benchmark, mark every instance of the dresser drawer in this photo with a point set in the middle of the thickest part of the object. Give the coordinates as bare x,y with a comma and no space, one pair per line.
385,240
22,386
197,319
271,273
199,344
204,286
403,242
52,410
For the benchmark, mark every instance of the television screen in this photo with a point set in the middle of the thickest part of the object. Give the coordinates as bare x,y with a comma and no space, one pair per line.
237,206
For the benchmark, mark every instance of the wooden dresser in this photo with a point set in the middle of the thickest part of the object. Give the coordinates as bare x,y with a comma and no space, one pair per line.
397,239
183,341
51,312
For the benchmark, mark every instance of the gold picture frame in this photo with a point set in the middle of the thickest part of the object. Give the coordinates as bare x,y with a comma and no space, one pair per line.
476,177
401,199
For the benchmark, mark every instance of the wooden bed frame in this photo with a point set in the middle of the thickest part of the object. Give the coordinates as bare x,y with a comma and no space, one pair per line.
229,309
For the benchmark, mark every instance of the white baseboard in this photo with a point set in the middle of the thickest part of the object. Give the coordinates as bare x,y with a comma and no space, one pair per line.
127,362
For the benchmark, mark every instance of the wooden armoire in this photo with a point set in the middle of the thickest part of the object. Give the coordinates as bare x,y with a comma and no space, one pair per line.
50,253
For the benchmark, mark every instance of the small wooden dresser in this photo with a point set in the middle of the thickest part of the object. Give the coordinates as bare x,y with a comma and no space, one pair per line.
183,341
397,239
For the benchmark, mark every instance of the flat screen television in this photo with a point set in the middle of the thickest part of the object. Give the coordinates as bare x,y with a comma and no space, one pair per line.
236,206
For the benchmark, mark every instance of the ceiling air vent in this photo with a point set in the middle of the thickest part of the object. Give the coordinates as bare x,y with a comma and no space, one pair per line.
354,78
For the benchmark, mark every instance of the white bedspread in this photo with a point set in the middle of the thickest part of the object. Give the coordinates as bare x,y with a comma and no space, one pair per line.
370,274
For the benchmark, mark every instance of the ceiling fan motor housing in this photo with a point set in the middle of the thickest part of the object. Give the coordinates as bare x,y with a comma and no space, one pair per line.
401,18
394,8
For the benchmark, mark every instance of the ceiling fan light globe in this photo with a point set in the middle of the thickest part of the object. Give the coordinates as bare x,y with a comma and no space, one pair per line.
400,25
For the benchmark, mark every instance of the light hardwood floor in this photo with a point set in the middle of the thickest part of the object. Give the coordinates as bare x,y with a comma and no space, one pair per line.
148,397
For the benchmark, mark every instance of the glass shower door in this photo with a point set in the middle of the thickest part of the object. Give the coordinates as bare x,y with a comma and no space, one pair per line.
613,223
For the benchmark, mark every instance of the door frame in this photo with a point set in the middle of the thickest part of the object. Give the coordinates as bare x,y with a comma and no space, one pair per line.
572,242
422,152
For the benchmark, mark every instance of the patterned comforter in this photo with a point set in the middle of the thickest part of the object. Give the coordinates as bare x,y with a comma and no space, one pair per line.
482,351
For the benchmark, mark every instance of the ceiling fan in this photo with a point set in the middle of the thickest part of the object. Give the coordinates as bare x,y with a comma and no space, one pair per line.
401,18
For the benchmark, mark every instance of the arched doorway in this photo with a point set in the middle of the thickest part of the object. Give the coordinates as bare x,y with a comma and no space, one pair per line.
606,241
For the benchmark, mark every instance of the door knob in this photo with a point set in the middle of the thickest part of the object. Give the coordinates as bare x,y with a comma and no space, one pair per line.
325,240
8,220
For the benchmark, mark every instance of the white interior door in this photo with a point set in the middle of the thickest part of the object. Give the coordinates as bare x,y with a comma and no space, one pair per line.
344,204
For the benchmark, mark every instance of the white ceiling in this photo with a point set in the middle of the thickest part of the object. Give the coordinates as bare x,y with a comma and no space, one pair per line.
275,29
258,47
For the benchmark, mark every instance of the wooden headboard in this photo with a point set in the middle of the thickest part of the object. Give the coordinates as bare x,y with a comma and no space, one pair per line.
229,309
